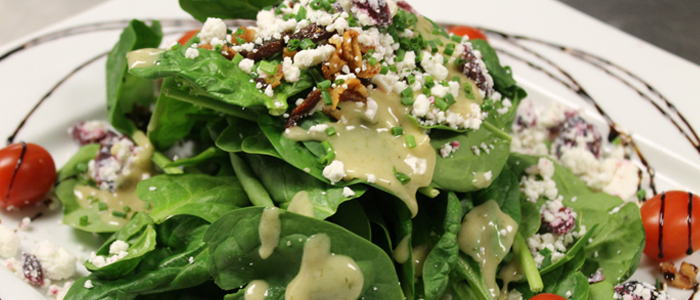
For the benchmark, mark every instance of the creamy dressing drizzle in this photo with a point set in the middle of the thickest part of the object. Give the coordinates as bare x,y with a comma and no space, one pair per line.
269,231
487,235
510,272
141,167
419,254
301,204
297,133
401,253
143,58
324,275
256,290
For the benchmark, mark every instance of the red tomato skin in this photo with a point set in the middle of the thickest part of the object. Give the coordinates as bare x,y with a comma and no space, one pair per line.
187,36
33,179
675,228
471,32
547,296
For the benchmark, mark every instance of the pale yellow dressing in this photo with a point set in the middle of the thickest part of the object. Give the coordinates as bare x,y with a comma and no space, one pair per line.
256,290
420,253
487,235
324,275
401,253
300,134
269,231
141,167
481,180
143,58
510,272
301,204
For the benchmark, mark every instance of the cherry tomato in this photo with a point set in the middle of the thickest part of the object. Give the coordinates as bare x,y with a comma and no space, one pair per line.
471,32
547,296
676,240
188,35
27,173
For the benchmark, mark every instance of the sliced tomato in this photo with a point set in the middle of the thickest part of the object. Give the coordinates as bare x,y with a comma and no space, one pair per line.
547,296
188,35
680,233
471,32
27,173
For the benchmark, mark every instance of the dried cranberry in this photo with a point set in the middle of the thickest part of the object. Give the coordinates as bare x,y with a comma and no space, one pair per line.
475,70
629,288
597,276
31,267
573,132
89,132
564,221
377,10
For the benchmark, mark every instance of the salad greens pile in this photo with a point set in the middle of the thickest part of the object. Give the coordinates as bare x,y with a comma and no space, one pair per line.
200,237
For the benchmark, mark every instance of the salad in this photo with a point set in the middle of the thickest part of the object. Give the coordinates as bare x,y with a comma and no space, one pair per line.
334,150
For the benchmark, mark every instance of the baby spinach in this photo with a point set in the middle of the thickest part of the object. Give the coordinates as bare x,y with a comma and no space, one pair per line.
203,9
170,121
351,216
601,291
442,258
78,163
530,219
234,241
251,185
141,237
73,212
505,190
204,196
125,90
571,252
469,270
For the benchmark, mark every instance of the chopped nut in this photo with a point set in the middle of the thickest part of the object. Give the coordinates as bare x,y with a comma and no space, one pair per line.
685,279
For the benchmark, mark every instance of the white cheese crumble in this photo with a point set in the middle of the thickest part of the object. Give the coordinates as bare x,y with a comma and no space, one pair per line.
534,188
213,28
433,65
246,65
88,284
348,192
421,105
24,224
311,57
9,242
335,171
56,262
191,53
371,178
290,71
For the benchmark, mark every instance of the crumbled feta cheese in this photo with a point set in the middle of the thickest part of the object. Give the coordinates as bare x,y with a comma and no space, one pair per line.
24,224
311,57
118,246
439,90
246,65
371,110
191,259
88,284
9,242
347,192
290,71
318,128
56,262
213,28
448,149
335,171
191,53
371,178
270,93
433,65
421,105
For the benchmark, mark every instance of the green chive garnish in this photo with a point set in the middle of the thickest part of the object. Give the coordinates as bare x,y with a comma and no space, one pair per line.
403,178
411,79
372,61
384,70
307,44
456,39
293,45
119,214
407,96
396,131
410,141
323,84
326,96
83,221
330,131
330,153
126,209
102,206
301,14
239,31
240,41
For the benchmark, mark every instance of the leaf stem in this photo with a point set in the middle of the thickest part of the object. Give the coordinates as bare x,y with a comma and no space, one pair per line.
251,185
467,269
211,103
429,191
161,161
532,274
498,132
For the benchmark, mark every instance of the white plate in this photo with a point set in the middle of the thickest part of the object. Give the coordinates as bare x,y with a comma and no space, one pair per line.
29,74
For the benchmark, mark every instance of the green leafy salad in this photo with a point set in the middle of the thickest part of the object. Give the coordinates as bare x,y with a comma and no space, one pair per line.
336,149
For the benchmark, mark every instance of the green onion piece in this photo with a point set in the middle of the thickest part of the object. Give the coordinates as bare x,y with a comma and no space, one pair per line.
339,81
239,31
352,22
219,48
119,214
444,83
148,205
237,58
419,58
456,79
240,41
393,68
384,70
403,178
441,104
459,61
642,195
330,131
287,17
444,60
316,4
326,97
411,79
439,42
449,51
410,141
323,84
301,14
426,90
330,152
456,38
83,221
369,53
268,67
400,54
405,43
468,90
433,47
450,99
293,45
372,61
487,105
83,167
407,96
397,131
327,6
126,209
307,44
102,206
278,10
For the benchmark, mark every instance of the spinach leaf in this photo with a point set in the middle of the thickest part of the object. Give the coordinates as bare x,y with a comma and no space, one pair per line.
569,282
204,196
242,135
469,270
530,219
442,258
251,185
125,90
73,212
170,121
571,252
505,190
141,237
601,291
351,216
210,154
245,9
568,185
234,241
78,163
502,76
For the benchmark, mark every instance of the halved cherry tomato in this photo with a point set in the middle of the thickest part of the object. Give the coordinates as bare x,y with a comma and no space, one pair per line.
27,173
188,35
471,32
547,296
679,209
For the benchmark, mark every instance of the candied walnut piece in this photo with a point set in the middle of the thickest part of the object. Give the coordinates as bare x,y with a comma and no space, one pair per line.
685,279
303,109
352,90
275,80
377,10
349,51
31,268
248,35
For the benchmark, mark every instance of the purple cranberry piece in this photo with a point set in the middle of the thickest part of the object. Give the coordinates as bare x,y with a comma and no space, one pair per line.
32,269
377,10
474,71
563,223
573,131
85,135
597,276
629,287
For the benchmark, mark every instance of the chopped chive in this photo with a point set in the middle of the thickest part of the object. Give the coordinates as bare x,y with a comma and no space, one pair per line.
439,42
92,199
393,68
419,58
411,79
400,54
352,22
444,60
459,61
487,105
237,58
316,4
384,70
457,79
293,45
287,17
307,44
339,81
326,97
323,84
456,38
327,6
119,214
83,221
450,99
441,104
301,14
126,209
102,206
330,131
426,90
268,67
372,61
404,43
330,153
278,10
448,50
407,96
219,48
148,205
468,90
397,131
403,178
642,195
410,141
369,53
239,31
433,47
240,40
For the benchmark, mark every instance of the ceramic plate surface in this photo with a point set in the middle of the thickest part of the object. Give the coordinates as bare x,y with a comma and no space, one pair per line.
629,79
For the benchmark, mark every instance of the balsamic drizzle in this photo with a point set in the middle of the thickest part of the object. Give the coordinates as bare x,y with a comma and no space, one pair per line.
690,224
20,159
661,225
